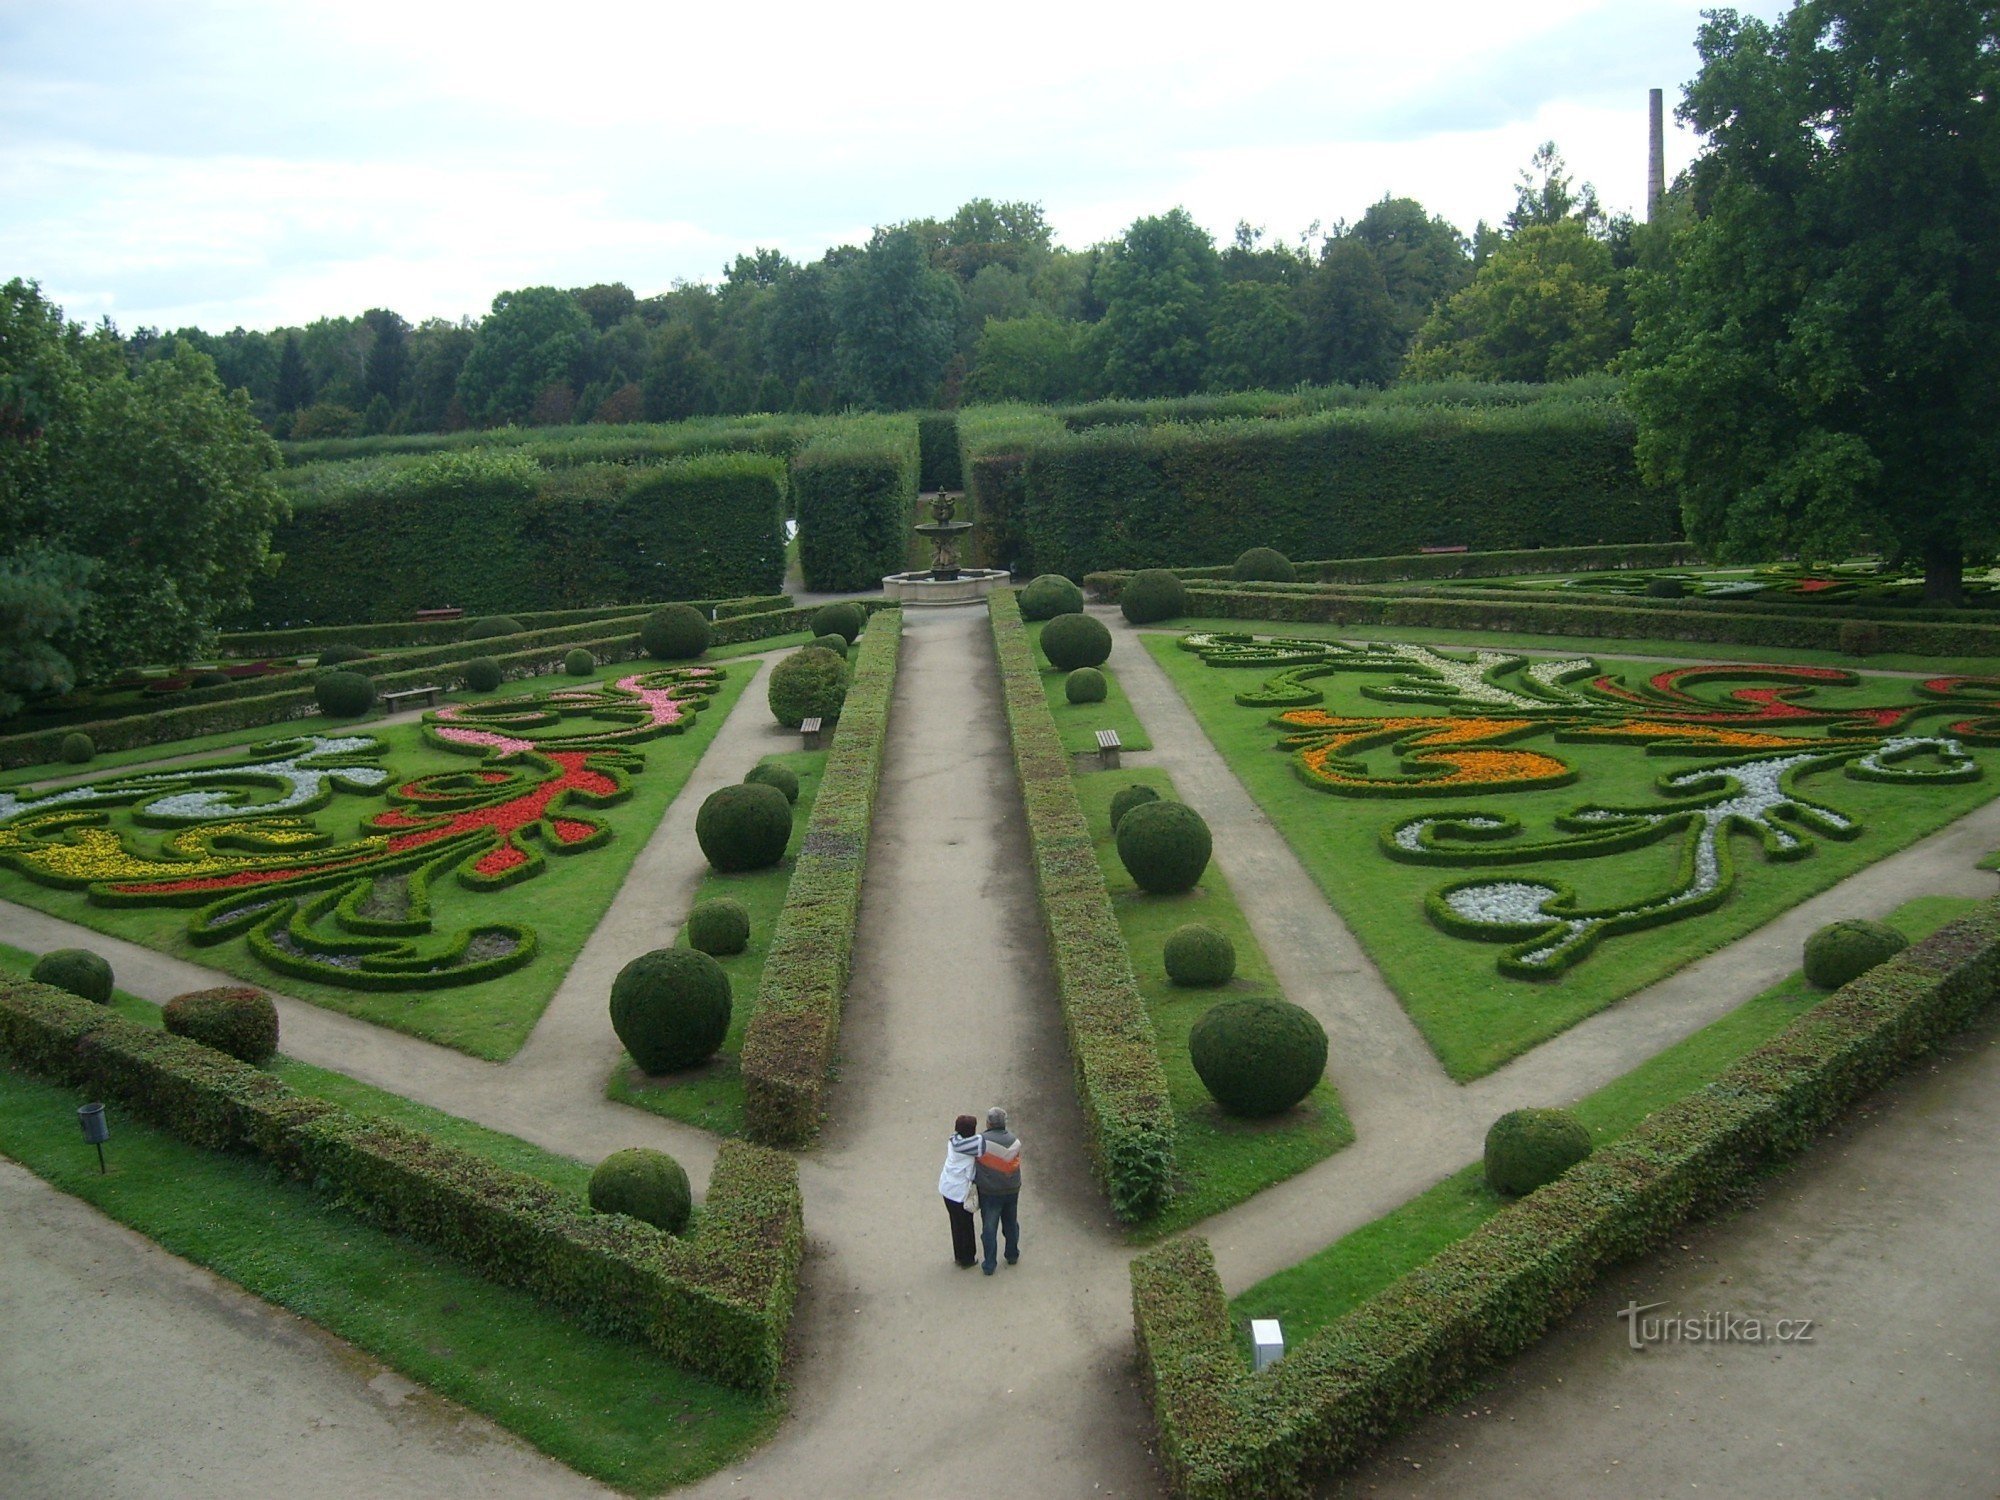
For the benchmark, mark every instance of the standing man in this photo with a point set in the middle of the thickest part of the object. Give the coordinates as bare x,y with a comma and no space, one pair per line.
998,1179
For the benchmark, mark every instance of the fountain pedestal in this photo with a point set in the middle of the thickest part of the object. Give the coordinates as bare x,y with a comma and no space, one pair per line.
945,582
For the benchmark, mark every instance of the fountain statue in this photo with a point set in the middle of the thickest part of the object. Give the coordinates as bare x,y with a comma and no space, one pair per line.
945,582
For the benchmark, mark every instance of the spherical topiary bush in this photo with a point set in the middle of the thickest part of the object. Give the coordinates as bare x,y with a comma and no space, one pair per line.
721,926
1528,1147
1841,952
1152,594
579,663
675,632
77,748
744,827
1263,565
844,618
1085,685
670,1008
1197,955
1072,641
492,625
77,970
1050,595
1257,1057
343,695
810,683
648,1185
1164,846
770,773
1667,586
837,644
482,674
338,653
234,1019
1131,797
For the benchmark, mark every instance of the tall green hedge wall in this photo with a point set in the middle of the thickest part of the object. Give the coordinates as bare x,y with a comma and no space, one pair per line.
993,444
492,531
937,451
854,488
1345,483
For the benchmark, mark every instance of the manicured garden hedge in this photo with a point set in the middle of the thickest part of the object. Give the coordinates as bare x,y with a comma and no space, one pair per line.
488,530
1112,1046
937,451
1420,566
854,487
395,635
788,1049
1361,481
717,1302
565,447
1225,1432
993,444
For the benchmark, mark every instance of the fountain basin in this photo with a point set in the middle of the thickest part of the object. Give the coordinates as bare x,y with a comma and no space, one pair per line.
968,586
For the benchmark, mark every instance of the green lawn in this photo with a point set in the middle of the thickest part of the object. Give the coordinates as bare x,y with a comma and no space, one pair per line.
712,1096
1222,1160
563,904
1475,1017
1078,723
1311,1294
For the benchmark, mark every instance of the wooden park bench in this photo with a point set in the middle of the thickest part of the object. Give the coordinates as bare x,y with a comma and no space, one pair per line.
397,701
810,729
1107,749
425,616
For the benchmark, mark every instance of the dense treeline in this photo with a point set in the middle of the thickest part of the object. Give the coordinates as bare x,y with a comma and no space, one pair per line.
980,306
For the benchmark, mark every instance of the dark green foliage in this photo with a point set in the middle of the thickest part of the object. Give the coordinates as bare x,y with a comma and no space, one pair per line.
719,927
1529,1148
854,487
579,662
482,674
1164,846
1197,956
491,626
1072,641
233,1018
1050,595
1085,685
1666,586
340,653
1151,595
744,827
937,451
77,748
1127,1110
718,1303
837,644
343,695
845,618
77,970
675,632
1860,637
670,1008
1263,565
771,773
788,1049
807,684
1257,1057
209,680
649,1186
1841,952
1122,802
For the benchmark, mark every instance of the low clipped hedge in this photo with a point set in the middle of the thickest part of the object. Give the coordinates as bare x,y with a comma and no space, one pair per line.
788,1048
1426,566
309,640
1127,1110
1226,1432
717,1302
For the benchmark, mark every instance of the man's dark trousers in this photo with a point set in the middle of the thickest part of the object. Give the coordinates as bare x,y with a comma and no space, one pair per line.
997,1212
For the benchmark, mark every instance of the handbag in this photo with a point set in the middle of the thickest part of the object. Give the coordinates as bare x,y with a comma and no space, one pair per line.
971,1201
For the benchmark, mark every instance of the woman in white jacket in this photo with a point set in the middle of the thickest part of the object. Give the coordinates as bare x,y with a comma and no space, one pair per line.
961,1155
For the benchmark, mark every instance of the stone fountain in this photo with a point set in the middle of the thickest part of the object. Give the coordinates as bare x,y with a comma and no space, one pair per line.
945,582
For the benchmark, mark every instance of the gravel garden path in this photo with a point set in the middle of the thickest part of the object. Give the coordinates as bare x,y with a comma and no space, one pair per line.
911,1377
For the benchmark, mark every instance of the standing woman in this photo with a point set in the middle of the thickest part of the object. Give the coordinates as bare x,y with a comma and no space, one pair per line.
961,1156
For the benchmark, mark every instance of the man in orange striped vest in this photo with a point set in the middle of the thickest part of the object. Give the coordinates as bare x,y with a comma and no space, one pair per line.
998,1178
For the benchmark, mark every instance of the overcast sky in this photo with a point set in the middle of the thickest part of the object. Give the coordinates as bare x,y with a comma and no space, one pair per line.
263,162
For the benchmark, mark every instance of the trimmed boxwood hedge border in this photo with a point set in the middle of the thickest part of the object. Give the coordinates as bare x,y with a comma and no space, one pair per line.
717,1302
1226,1432
788,1048
307,640
1126,1107
1423,566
